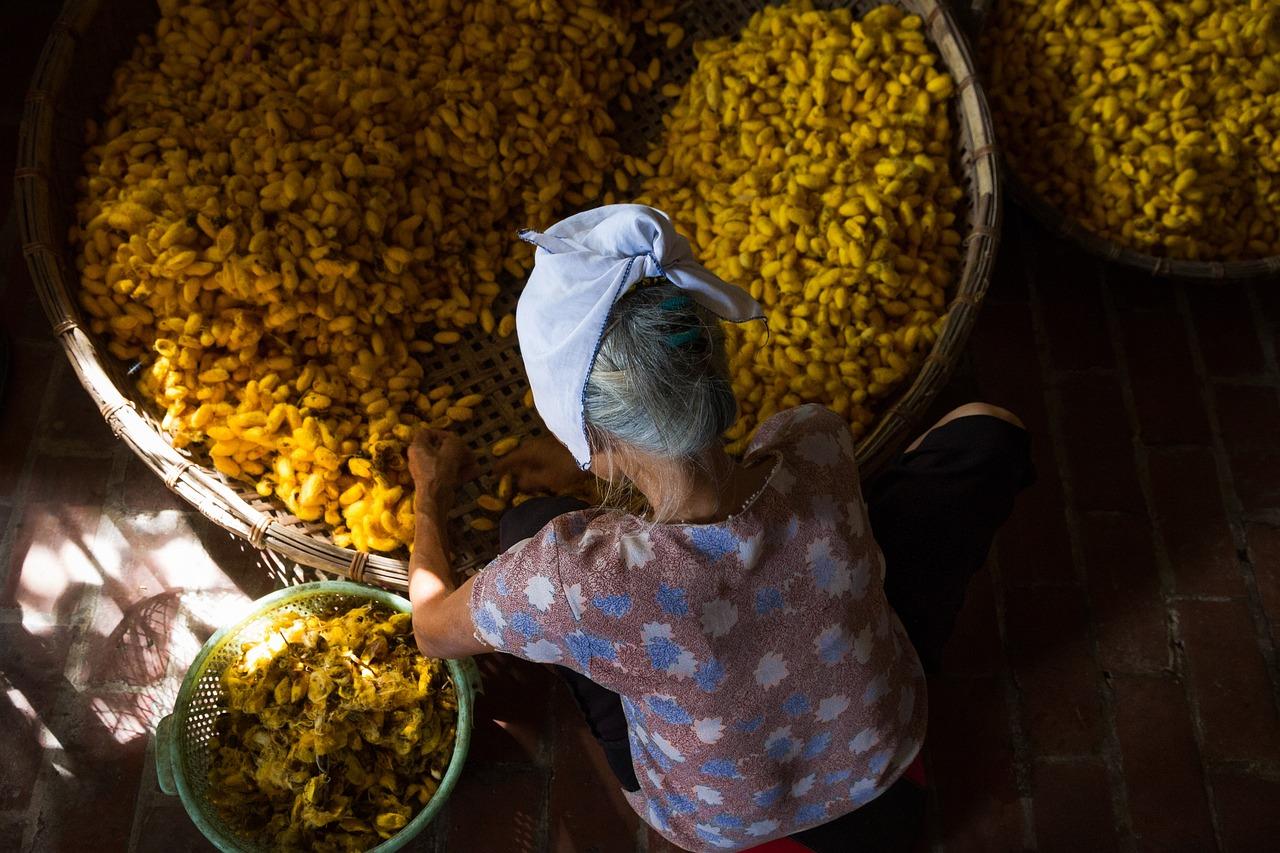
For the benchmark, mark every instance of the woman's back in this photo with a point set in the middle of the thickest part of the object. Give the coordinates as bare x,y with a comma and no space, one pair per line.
768,686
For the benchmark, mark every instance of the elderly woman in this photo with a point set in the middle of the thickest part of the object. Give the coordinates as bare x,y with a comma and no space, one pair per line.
748,651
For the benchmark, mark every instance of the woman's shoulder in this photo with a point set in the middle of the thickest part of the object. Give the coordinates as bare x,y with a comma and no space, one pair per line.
589,528
593,545
809,417
613,553
813,431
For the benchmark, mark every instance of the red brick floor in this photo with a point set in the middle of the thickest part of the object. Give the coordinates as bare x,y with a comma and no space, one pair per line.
1112,684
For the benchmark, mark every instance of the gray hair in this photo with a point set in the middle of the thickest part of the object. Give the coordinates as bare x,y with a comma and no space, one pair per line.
660,381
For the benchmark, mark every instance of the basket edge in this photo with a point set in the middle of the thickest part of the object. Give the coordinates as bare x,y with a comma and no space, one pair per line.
1060,224
875,450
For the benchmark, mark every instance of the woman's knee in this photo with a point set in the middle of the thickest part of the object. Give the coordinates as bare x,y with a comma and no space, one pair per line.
987,409
1001,453
966,411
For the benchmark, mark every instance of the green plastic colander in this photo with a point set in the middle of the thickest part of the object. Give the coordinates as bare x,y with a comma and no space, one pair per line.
182,738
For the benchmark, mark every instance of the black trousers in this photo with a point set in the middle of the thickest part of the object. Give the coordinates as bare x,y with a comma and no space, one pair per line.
934,512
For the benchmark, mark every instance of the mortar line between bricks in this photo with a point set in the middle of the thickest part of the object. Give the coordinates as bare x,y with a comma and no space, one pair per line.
40,335
1066,587
1198,596
1255,381
113,506
10,242
69,450
545,766
19,817
1168,585
1267,769
933,807
1269,355
1018,737
39,794
145,801
10,221
1070,759
23,487
81,647
544,817
1142,464
69,694
1235,509
1270,517
1060,373
1231,505
1053,404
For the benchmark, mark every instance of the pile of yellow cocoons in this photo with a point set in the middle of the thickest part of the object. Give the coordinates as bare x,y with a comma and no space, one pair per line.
1153,124
810,159
289,200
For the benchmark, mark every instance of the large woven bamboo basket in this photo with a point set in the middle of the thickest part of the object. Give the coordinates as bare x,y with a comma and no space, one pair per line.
71,80
978,16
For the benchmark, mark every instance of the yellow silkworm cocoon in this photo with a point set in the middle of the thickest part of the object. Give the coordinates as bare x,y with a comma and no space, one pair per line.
504,446
277,236
490,503
809,160
1153,125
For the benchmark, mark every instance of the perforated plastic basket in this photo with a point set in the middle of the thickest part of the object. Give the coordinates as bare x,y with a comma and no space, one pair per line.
182,738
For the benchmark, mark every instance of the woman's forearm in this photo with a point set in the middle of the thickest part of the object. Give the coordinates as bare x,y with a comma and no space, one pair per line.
430,576
442,623
430,573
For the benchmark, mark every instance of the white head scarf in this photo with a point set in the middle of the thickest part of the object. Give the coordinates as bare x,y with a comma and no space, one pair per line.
582,266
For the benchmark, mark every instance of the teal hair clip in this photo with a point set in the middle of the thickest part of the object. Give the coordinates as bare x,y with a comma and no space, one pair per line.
688,336
674,303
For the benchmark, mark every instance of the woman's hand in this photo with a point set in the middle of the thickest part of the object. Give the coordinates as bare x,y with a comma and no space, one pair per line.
439,461
542,464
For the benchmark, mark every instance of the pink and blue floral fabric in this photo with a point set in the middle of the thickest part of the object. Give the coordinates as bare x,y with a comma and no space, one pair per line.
767,684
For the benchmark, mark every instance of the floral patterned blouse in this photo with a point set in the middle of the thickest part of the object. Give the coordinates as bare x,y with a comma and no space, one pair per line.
767,684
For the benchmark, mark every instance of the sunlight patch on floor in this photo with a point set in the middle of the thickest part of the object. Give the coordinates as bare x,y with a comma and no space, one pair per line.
48,739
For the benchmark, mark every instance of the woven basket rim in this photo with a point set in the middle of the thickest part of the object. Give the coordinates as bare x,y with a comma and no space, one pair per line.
205,489
1068,227
1058,223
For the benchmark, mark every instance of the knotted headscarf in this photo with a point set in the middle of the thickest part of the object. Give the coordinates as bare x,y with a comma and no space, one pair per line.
582,266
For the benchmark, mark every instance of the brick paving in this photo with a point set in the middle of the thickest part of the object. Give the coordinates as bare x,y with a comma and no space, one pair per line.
1112,684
